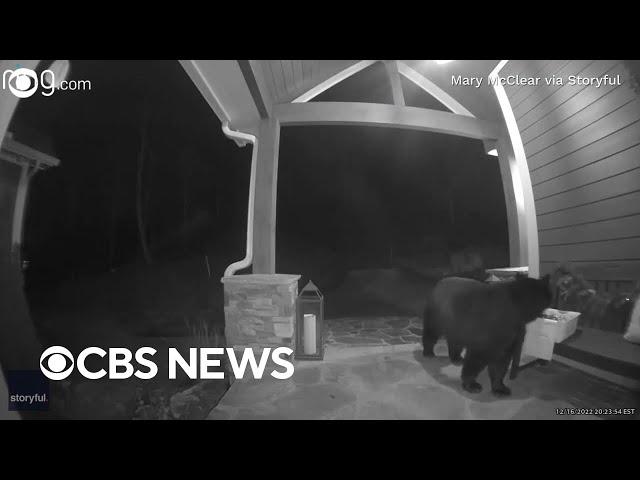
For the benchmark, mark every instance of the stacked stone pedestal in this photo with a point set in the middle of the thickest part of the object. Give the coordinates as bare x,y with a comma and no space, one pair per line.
260,310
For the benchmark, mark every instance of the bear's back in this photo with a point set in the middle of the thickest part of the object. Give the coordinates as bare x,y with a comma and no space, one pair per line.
473,312
461,290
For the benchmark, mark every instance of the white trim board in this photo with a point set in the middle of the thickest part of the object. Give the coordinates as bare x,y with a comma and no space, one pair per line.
432,89
374,114
333,80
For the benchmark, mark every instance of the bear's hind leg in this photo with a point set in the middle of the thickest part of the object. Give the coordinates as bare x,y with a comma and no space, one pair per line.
497,371
474,363
455,352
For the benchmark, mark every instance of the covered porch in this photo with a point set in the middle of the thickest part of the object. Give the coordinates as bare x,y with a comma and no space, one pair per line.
537,131
254,99
553,142
568,161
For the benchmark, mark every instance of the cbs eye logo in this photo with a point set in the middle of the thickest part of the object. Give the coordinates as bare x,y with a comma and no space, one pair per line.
56,363
23,82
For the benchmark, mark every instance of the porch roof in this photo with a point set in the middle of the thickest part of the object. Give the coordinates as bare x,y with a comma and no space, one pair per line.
242,92
17,152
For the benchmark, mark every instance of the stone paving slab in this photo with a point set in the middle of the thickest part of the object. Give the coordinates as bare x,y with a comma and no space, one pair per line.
397,382
356,331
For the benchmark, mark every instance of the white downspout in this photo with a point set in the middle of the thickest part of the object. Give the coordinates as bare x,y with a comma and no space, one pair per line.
242,139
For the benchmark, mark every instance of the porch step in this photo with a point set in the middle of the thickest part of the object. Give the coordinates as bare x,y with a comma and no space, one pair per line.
604,354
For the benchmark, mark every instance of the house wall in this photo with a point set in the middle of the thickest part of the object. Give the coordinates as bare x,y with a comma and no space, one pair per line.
583,152
19,346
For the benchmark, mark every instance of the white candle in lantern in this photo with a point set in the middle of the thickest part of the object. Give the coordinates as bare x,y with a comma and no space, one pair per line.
309,334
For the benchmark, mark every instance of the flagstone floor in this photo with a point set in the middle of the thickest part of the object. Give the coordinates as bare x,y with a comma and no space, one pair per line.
374,369
391,330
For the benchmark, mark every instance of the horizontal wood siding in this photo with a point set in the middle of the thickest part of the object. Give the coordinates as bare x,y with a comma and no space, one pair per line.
583,149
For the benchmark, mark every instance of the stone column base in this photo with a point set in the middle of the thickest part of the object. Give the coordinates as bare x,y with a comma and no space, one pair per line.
260,310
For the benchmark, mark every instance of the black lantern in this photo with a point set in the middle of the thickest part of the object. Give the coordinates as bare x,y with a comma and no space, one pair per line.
310,324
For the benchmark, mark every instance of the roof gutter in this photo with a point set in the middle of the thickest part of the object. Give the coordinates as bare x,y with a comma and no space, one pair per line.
242,139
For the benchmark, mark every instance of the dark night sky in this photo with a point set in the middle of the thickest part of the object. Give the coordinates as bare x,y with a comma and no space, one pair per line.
349,191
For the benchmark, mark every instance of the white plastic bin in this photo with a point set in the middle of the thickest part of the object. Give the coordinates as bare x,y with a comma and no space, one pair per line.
544,333
559,327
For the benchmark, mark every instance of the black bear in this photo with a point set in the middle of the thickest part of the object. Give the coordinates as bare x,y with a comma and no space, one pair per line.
488,320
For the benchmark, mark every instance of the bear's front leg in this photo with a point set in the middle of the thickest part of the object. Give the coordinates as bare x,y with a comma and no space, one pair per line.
430,336
474,363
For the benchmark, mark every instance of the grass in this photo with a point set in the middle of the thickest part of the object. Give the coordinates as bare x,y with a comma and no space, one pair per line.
203,335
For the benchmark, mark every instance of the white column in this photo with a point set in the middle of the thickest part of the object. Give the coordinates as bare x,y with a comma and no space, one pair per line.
264,226
514,199
520,177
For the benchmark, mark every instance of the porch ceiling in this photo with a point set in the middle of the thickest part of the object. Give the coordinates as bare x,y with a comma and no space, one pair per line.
288,79
480,101
244,91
